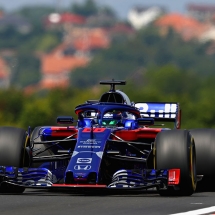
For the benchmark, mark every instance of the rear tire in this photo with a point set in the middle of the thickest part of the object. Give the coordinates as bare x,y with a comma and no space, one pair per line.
205,157
175,149
12,146
205,151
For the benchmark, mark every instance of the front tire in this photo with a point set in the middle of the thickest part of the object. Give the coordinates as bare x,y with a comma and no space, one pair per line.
13,153
175,149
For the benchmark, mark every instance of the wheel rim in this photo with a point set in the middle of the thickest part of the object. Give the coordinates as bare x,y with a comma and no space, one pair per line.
193,164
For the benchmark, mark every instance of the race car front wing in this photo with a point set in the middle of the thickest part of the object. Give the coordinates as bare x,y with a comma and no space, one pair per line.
121,180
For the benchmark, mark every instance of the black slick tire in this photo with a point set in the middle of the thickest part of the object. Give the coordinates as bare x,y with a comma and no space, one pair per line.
205,151
12,153
175,149
12,146
205,157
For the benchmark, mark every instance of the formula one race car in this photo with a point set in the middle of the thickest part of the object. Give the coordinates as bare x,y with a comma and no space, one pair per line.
115,144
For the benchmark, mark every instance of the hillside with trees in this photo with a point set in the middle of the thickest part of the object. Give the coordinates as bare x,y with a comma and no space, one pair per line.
156,67
146,50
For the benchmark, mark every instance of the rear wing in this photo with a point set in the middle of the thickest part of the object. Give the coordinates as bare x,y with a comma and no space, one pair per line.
161,111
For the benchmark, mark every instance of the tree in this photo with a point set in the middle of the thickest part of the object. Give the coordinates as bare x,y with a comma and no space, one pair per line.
87,9
26,71
35,14
11,105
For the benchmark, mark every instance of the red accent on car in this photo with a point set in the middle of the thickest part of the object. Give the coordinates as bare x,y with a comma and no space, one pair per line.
178,120
70,128
96,130
80,185
63,131
173,176
141,133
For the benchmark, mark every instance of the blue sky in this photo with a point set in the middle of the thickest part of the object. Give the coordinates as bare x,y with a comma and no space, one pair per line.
120,6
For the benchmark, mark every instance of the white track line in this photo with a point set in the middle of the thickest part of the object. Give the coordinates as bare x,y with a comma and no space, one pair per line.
198,212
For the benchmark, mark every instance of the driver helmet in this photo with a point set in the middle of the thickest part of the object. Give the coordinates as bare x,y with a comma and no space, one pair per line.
111,118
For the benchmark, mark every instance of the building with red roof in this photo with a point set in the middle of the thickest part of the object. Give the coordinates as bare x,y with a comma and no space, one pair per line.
188,27
203,12
88,39
56,69
57,19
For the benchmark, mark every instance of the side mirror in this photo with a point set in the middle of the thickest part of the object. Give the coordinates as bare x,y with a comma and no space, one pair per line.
65,120
145,121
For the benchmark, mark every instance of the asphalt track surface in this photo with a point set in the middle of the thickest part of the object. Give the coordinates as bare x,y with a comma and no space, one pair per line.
40,202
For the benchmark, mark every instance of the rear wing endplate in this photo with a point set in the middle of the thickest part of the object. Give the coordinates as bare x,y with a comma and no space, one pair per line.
161,111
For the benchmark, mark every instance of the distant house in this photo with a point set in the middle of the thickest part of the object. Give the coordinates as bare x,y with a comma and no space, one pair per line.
205,13
4,74
56,20
87,39
140,17
71,54
188,27
208,35
56,68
